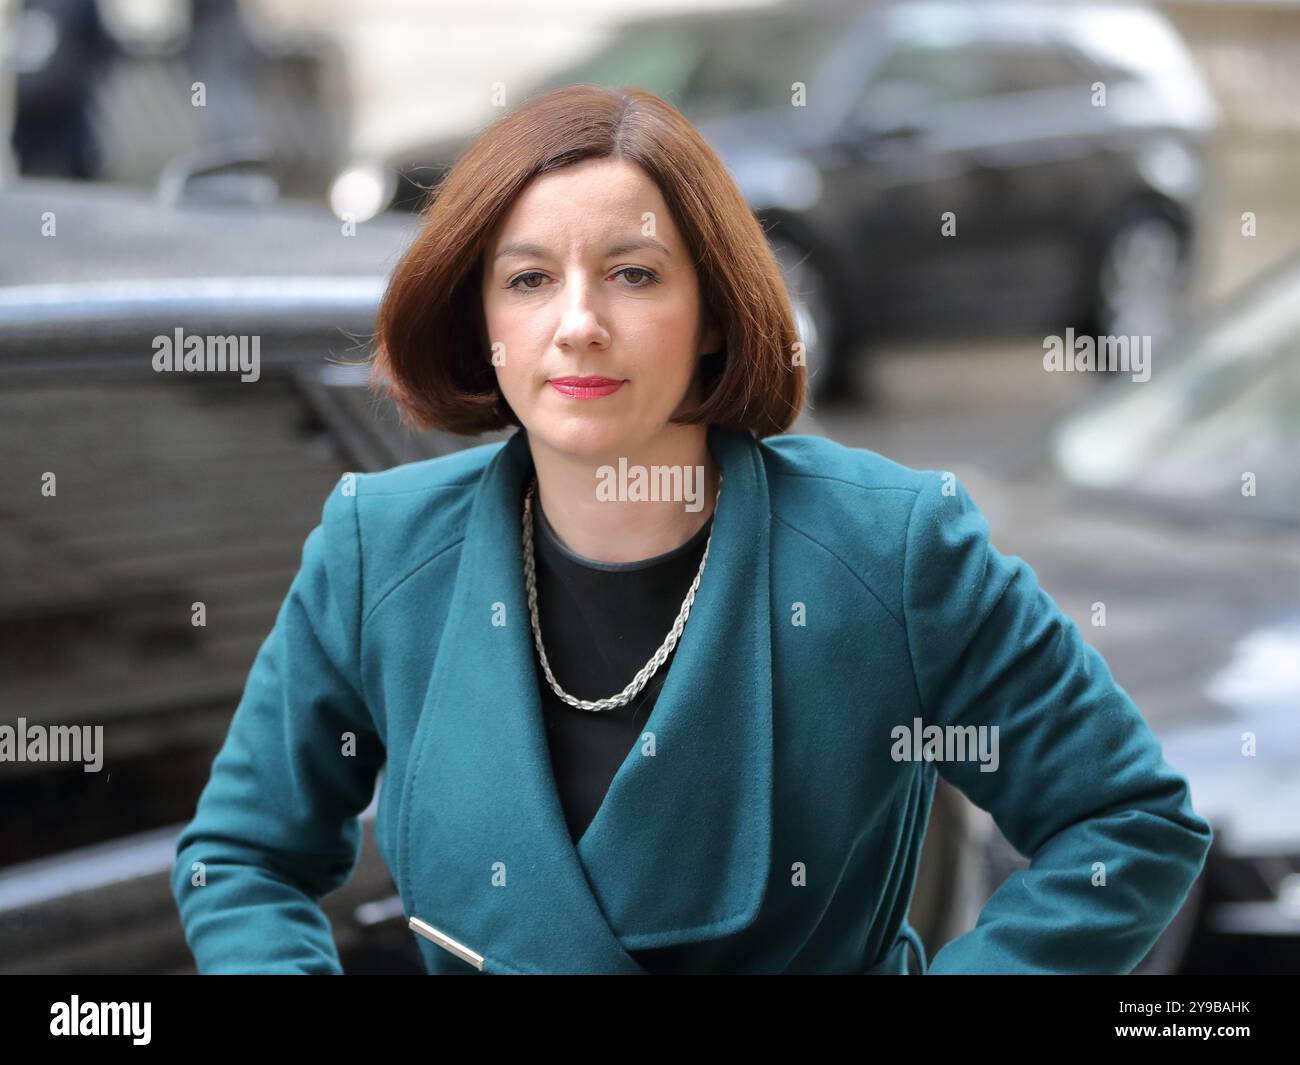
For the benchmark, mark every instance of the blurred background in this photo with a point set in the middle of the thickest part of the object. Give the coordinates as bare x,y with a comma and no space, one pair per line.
950,189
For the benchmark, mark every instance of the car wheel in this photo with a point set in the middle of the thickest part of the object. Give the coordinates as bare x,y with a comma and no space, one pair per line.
1141,275
815,319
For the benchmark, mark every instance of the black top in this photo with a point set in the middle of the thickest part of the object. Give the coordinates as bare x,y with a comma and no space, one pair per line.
601,622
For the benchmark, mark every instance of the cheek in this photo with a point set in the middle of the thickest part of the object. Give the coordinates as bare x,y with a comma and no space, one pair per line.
507,346
520,329
495,319
676,341
513,372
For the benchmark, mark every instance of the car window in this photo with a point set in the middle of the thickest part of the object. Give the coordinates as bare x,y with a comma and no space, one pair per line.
658,57
125,504
712,68
917,75
753,66
1014,67
1227,405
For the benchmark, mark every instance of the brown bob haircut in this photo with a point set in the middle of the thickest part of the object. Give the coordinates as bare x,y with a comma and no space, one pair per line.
432,352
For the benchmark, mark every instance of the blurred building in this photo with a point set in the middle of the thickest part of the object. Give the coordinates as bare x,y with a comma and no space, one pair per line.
114,89
1249,51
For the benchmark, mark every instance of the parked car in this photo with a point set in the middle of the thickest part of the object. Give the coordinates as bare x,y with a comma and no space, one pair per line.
171,490
177,489
1175,505
951,167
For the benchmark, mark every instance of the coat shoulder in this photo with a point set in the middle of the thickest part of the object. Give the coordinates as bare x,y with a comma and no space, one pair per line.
458,469
390,523
822,485
853,503
820,458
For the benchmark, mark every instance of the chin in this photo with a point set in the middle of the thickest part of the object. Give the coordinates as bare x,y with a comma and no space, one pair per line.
589,441
595,435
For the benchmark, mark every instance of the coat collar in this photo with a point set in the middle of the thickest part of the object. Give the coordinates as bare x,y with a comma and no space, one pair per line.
680,849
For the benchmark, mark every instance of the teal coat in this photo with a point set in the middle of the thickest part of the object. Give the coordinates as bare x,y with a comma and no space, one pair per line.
773,821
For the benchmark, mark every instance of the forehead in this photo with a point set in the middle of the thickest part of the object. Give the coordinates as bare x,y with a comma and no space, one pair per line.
587,198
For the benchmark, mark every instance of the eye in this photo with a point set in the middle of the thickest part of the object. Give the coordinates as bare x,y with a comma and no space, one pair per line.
649,276
527,288
639,270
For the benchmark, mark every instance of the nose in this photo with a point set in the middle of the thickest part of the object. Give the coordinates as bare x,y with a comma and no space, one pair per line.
582,319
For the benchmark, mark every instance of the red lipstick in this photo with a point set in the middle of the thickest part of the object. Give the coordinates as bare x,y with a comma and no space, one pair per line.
585,387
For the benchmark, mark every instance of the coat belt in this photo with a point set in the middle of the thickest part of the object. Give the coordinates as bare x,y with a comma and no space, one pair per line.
893,963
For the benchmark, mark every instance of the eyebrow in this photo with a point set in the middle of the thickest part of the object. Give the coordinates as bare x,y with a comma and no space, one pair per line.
526,248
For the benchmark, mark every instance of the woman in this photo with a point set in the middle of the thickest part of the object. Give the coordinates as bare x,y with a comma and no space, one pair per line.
654,687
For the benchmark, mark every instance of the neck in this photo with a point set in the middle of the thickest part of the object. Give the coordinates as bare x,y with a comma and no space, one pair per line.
623,529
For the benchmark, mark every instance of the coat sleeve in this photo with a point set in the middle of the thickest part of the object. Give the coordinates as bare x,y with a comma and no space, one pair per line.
276,826
1081,787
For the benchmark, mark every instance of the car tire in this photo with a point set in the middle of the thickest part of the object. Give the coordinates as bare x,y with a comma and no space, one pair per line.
1139,275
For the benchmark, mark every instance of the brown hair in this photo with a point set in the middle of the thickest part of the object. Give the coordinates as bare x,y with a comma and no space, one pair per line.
432,351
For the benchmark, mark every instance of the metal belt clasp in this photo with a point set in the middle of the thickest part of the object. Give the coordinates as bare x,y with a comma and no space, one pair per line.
446,942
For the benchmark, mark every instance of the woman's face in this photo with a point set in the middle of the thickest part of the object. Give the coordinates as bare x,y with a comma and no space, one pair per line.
587,276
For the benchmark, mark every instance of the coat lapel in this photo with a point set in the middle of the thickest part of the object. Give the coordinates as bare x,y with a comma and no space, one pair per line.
679,850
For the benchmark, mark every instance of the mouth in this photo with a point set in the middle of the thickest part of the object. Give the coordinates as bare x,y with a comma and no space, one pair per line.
586,387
